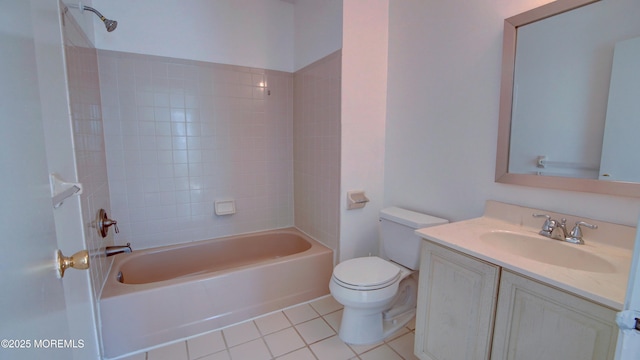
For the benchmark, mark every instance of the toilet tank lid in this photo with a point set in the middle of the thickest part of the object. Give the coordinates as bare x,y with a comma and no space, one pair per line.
410,218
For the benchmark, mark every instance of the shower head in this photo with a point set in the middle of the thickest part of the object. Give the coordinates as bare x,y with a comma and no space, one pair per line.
109,24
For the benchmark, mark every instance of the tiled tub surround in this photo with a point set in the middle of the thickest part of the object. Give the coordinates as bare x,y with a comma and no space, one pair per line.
307,331
181,134
182,290
89,147
316,149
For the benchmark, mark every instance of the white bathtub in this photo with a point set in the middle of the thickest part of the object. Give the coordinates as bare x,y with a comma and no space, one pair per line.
173,292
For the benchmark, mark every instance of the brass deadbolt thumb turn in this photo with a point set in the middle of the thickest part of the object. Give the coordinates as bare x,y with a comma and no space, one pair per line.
79,260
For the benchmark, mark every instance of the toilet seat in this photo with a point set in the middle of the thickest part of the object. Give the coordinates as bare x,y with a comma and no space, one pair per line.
366,273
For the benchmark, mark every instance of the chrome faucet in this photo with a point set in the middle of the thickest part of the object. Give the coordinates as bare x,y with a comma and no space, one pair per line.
575,236
559,229
548,225
113,250
555,229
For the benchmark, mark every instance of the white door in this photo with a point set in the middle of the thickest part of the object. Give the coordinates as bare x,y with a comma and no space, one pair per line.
620,148
34,321
628,337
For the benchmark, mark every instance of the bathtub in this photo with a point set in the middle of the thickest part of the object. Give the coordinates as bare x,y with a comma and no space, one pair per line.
159,295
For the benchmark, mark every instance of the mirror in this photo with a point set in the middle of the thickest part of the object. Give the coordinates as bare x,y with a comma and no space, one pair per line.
561,79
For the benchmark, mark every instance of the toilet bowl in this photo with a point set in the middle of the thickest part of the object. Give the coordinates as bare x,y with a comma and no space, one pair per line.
379,295
381,302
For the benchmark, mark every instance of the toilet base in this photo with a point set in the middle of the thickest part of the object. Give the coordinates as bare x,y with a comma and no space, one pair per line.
393,325
367,326
375,328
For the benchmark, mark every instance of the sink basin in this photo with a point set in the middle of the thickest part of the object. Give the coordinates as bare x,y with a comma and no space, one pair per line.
548,251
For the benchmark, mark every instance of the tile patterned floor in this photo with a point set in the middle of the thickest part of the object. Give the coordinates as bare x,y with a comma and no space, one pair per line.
307,331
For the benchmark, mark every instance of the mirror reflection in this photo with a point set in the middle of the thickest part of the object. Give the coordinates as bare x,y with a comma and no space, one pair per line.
576,94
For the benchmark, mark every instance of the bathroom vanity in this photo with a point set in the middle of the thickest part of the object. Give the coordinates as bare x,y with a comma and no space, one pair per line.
493,288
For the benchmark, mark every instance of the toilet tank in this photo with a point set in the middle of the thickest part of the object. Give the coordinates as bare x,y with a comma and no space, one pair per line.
399,242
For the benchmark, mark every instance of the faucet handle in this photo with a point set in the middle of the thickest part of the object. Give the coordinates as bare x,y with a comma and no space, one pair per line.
542,215
590,226
108,222
548,225
104,222
575,236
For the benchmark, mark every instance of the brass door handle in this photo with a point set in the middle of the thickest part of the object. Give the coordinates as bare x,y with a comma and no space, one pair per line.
79,260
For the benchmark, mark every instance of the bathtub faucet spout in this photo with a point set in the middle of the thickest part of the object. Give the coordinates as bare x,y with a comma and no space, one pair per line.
113,250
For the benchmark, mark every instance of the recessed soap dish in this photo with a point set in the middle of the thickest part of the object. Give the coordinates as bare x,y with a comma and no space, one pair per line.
225,207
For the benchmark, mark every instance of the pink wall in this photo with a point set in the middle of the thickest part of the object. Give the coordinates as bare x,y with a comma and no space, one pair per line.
443,96
253,33
363,117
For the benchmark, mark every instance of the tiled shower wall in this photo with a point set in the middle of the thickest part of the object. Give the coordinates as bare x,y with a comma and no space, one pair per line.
88,139
181,134
316,134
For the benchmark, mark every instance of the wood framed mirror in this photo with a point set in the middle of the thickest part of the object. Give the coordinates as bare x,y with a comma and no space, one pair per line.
589,178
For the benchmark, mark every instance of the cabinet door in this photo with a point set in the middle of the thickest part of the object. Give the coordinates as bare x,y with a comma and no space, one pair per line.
535,321
456,303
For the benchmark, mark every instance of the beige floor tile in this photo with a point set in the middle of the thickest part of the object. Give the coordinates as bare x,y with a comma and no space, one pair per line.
240,333
140,356
332,349
404,346
297,333
383,352
315,330
334,319
302,354
272,323
326,305
412,324
176,351
284,341
359,349
222,355
205,344
253,350
301,313
400,332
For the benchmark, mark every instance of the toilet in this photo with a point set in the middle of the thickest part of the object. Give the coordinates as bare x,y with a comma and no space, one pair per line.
379,294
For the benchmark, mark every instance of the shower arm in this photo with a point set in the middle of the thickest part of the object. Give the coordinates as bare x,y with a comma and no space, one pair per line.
109,24
89,8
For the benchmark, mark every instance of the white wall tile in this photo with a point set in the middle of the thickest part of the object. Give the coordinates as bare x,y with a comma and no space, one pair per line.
317,152
89,146
187,133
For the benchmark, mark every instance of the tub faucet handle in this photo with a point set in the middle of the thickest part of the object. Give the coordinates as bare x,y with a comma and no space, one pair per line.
110,222
104,222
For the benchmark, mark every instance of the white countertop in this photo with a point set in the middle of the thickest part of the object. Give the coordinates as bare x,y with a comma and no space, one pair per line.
605,288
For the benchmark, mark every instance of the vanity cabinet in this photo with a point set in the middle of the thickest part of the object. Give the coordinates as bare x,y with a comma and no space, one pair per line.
535,321
458,296
456,303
